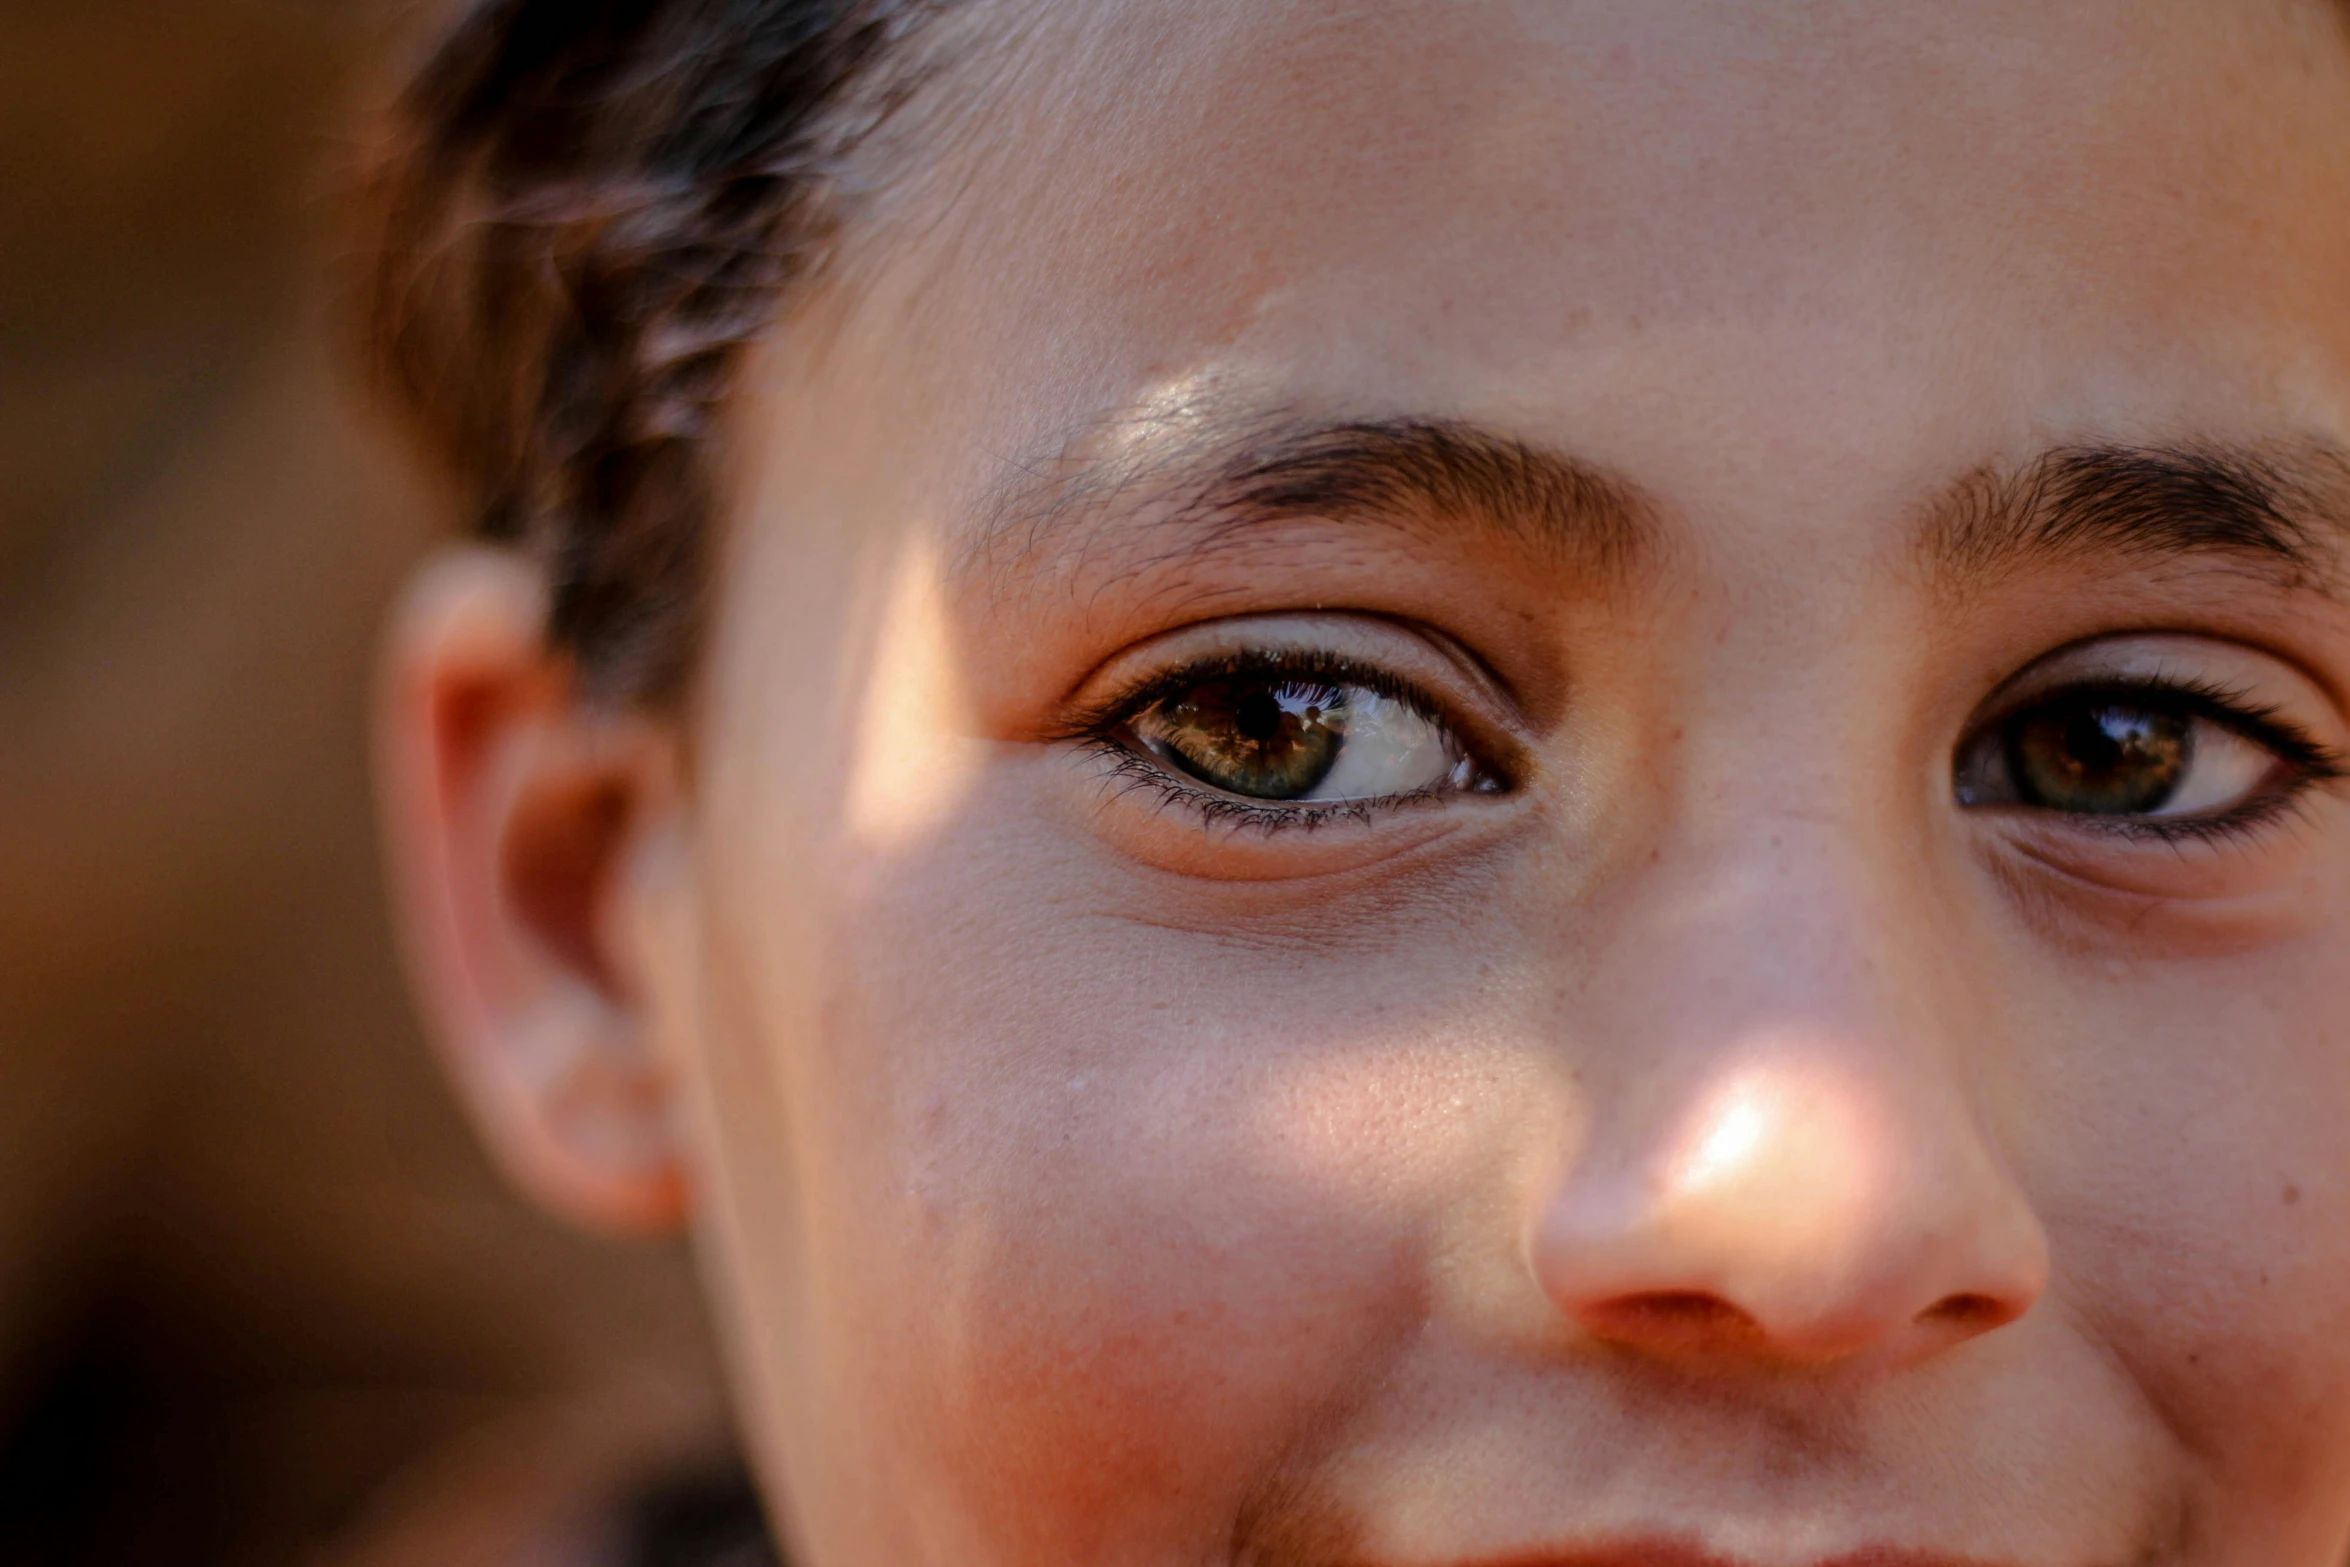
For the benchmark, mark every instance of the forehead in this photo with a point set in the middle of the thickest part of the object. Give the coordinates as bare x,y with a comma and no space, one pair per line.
1668,234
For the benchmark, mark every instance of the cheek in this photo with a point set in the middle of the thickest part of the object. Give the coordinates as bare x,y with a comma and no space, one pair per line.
1134,1322
2195,1178
1140,1208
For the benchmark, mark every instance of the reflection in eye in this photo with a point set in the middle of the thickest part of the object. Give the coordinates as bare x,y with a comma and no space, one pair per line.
2148,752
1281,735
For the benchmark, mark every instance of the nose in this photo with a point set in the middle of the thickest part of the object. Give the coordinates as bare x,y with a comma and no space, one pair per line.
1797,1214
1809,1190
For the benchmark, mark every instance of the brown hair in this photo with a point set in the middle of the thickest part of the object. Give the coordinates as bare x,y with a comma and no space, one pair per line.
584,210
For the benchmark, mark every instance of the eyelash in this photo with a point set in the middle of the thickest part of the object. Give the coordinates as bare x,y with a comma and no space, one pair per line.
2310,765
1100,731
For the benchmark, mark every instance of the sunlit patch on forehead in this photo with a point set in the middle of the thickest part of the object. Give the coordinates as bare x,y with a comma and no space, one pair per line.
1116,456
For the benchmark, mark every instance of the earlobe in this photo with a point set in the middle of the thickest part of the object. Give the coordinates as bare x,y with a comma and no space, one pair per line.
511,811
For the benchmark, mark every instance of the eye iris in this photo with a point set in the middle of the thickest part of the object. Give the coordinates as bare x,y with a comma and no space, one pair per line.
1269,739
2100,758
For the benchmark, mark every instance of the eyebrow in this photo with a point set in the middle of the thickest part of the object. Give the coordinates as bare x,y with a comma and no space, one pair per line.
2280,511
2277,512
1226,478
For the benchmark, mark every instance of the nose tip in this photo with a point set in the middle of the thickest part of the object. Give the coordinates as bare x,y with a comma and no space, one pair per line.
1793,1218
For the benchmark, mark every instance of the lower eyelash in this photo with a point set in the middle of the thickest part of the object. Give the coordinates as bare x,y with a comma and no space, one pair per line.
1135,772
2241,825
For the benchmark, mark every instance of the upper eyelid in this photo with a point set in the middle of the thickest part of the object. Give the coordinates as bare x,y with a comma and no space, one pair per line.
1123,705
2165,657
1326,633
2224,705
2232,708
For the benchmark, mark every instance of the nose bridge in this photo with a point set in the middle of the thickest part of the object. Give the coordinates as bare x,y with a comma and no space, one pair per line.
1785,1156
1807,922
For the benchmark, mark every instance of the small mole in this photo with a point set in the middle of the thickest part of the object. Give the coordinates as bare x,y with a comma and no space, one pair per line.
2292,1194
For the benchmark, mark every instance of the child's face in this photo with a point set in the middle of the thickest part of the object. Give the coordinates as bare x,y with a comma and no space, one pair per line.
1833,517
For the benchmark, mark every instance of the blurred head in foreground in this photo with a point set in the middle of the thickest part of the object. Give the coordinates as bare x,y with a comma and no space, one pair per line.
1373,783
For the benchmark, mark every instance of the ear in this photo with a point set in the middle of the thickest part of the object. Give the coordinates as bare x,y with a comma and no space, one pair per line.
513,814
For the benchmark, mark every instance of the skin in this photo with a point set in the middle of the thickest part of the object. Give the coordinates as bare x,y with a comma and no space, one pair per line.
1718,1142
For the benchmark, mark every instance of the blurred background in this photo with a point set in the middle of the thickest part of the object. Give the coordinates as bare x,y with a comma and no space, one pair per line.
260,1299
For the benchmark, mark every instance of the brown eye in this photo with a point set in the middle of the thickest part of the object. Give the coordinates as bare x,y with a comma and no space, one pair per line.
1267,738
2108,753
1283,736
2099,758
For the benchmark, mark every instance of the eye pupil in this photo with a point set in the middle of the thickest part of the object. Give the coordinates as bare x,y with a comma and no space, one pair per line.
2100,758
1259,717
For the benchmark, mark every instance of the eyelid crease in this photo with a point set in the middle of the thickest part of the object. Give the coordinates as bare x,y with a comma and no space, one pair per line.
2166,655
1302,638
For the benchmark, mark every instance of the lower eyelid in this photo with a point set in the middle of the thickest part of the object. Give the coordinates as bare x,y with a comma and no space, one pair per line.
1134,770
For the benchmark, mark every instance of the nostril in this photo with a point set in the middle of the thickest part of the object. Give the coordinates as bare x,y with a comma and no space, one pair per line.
1697,1324
1967,1314
1671,1320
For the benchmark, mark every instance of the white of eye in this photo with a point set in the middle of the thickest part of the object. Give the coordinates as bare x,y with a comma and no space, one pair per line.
1389,749
2223,771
